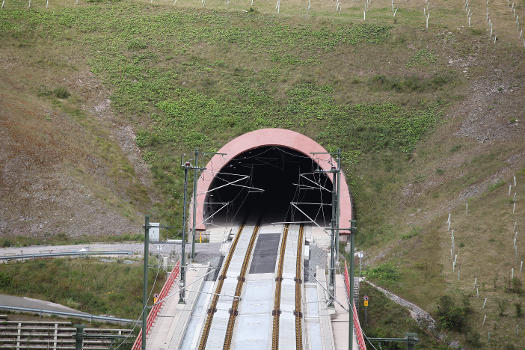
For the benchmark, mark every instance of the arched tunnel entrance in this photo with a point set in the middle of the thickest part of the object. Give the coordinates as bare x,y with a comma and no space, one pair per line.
271,184
271,174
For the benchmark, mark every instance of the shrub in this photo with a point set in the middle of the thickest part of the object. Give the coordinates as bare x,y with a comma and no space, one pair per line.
450,316
5,280
474,339
413,232
136,44
61,92
502,306
455,148
519,310
496,185
514,286
386,272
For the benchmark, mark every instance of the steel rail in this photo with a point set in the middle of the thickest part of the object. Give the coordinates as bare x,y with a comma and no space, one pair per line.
215,298
238,290
298,299
277,299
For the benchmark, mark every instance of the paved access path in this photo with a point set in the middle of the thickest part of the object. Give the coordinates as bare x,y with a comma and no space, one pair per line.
208,249
11,300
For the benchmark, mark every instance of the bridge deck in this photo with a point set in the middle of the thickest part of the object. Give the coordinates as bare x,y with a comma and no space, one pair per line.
181,327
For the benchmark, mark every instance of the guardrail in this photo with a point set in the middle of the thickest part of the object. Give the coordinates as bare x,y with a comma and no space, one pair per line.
68,314
52,335
157,306
357,325
52,255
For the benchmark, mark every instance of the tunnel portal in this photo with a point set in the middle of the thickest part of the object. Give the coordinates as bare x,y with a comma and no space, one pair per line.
270,184
258,174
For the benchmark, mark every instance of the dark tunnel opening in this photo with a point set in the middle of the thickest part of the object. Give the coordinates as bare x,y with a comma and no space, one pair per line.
261,183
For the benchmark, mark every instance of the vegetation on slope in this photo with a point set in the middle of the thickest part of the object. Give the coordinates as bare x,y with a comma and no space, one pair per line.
178,74
426,119
64,281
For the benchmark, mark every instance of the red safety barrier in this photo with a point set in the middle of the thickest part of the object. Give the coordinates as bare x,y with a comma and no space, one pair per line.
156,308
357,325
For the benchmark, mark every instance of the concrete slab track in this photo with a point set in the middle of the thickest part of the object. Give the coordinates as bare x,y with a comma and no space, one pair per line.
180,327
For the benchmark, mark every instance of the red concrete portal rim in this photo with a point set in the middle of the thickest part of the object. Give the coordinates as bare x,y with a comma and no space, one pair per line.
271,137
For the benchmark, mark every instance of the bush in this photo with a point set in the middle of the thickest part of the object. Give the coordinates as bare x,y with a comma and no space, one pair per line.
474,339
386,272
61,92
5,280
136,44
450,316
502,306
496,185
413,232
514,286
519,310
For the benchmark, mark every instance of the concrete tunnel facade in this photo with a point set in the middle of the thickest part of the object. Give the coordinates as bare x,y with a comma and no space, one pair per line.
259,171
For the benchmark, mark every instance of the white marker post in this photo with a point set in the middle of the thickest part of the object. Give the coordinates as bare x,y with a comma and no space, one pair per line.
308,9
484,319
475,282
477,292
395,11
3,3
512,273
514,180
484,303
364,15
521,266
510,189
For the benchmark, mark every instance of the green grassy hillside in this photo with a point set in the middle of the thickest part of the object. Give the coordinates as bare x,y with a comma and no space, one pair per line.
428,120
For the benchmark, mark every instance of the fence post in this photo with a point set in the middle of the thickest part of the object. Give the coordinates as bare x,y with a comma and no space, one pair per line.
79,337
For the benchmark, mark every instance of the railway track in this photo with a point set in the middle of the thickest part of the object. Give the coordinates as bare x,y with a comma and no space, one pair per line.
277,299
221,278
276,312
241,279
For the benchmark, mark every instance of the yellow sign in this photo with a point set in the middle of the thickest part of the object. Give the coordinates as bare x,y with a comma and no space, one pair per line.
366,302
